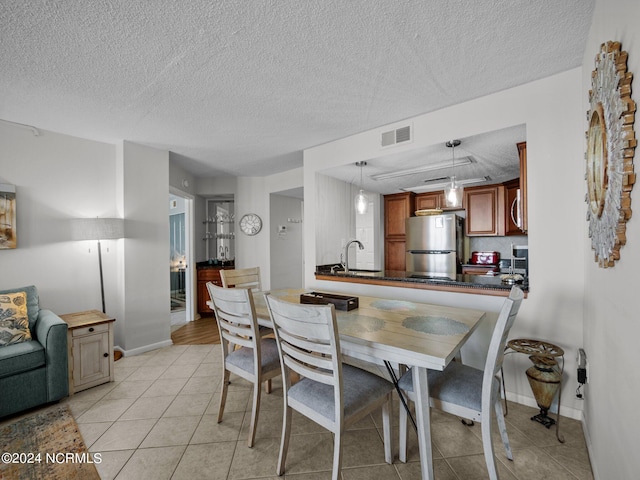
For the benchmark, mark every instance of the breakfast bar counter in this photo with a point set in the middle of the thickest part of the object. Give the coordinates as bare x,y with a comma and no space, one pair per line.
475,284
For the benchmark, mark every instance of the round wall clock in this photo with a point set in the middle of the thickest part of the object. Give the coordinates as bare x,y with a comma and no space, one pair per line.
250,224
611,144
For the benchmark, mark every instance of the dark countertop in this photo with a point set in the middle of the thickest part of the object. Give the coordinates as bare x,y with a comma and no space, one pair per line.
483,282
215,264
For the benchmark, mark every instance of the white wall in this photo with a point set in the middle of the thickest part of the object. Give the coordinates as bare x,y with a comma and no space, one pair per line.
60,177
252,196
57,178
553,112
612,326
146,319
286,247
336,217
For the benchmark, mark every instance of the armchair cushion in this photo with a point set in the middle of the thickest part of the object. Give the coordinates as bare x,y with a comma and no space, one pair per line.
14,322
21,357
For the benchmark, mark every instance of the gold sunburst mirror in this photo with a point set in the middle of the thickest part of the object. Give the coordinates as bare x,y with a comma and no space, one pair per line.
611,145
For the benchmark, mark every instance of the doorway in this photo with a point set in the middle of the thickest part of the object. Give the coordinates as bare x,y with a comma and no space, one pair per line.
180,257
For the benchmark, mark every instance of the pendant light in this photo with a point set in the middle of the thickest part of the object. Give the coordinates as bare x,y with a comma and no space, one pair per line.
361,200
453,192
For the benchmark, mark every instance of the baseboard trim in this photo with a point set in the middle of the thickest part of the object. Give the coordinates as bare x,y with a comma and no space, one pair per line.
568,412
144,349
587,439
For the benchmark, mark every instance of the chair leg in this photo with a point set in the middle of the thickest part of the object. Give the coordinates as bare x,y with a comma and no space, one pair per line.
386,429
254,413
284,441
267,386
223,394
403,435
337,455
502,426
487,444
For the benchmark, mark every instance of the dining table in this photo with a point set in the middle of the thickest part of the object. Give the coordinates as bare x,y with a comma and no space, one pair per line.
418,335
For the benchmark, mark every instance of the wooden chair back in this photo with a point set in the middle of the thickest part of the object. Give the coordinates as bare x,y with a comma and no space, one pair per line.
495,355
236,317
241,278
307,337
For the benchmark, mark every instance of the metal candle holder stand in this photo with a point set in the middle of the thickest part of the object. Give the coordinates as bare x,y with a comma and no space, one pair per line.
543,355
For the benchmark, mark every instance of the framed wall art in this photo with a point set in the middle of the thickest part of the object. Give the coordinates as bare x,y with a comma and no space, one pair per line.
8,232
611,145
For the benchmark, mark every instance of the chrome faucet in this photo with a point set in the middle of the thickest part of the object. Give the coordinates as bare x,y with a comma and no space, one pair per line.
346,253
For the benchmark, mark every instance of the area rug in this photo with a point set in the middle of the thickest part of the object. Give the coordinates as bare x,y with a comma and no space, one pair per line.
46,446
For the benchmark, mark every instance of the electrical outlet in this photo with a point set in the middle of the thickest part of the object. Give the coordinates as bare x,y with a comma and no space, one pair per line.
582,375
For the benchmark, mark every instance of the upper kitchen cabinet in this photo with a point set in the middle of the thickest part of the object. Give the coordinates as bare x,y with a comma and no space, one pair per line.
432,200
397,208
485,210
429,200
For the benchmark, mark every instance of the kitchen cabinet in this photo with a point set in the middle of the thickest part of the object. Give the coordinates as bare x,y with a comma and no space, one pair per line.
430,200
90,344
395,254
485,208
397,208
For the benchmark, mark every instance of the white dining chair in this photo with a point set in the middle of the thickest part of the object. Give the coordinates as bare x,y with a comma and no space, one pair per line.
468,392
244,351
332,394
241,278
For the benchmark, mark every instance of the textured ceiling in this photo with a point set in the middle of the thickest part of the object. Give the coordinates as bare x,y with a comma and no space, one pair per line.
238,87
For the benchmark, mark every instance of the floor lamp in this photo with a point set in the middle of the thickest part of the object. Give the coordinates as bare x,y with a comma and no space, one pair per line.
98,229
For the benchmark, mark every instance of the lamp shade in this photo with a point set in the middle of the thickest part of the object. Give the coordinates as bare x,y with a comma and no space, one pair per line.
361,202
97,228
453,194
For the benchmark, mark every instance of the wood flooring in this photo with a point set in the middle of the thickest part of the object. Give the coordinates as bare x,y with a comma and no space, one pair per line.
203,331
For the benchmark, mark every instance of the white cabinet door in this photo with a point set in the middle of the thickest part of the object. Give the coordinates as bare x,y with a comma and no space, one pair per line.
91,359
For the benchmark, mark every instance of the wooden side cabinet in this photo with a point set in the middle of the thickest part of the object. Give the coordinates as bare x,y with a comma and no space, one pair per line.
90,343
207,274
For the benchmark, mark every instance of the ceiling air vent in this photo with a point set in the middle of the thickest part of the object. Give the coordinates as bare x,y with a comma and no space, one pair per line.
399,135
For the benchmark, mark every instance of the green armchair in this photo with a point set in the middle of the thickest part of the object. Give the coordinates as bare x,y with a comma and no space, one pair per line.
34,372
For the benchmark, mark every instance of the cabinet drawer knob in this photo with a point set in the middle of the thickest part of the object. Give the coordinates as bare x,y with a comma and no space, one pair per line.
91,329
106,355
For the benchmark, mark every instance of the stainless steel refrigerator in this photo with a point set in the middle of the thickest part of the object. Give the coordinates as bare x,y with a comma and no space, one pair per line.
434,245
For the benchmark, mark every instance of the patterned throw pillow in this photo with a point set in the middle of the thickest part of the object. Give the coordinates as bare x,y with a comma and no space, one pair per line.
14,322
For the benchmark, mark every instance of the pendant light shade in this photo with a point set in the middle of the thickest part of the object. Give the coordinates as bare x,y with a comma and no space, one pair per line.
453,192
361,201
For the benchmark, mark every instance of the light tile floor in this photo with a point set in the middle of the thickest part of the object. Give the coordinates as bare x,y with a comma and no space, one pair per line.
158,421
